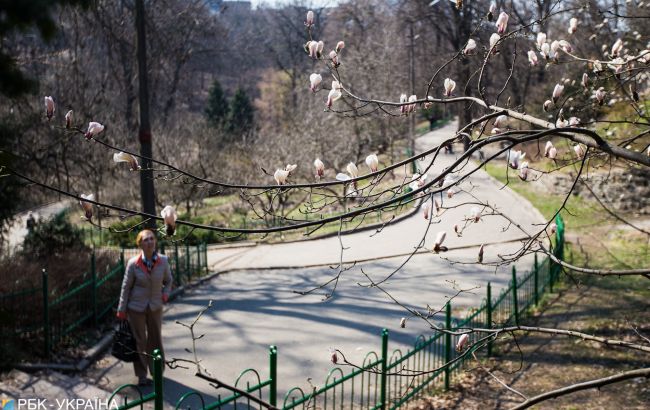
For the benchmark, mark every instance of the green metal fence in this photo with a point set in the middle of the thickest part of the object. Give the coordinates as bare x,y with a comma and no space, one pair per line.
42,315
386,381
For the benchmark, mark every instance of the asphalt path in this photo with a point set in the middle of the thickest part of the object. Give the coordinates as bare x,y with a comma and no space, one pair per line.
256,301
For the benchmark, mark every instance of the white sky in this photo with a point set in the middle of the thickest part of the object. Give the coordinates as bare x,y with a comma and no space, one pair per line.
307,3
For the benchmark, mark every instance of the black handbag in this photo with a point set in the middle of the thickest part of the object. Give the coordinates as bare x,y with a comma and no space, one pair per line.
124,346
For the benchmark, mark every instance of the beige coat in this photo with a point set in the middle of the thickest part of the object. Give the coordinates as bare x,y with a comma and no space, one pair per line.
141,288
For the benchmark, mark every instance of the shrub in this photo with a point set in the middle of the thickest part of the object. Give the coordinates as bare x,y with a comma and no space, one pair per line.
53,237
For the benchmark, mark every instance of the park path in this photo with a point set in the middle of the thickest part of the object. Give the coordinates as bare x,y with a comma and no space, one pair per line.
400,237
256,300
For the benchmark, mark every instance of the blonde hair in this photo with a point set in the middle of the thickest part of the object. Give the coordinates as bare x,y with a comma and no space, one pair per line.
138,239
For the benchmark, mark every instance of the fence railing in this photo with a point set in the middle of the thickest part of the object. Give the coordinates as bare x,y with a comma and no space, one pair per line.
41,315
386,381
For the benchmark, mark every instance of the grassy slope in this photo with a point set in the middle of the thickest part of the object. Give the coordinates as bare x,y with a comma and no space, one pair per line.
611,307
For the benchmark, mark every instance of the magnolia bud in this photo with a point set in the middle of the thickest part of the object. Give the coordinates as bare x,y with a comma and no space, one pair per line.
450,85
49,107
462,341
68,119
502,22
94,128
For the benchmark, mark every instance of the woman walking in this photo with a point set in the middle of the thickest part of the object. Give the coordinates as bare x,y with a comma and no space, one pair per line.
146,286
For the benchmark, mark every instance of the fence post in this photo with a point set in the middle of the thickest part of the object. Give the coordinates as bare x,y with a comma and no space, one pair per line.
447,346
93,278
205,256
198,259
550,274
273,370
489,316
46,314
536,280
384,367
157,380
188,273
514,295
177,271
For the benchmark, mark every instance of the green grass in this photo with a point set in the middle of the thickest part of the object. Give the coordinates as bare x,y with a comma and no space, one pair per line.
579,212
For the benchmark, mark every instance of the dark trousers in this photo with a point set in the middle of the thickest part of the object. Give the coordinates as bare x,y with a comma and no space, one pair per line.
146,328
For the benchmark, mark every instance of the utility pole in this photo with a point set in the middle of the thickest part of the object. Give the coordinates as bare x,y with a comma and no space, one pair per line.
144,132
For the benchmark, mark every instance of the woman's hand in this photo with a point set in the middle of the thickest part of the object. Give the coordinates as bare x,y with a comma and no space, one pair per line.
121,315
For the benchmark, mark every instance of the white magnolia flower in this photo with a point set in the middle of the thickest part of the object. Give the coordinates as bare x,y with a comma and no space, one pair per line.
404,107
312,49
550,151
532,58
169,216
557,92
94,128
600,95
314,81
426,210
573,25
281,176
373,162
412,99
541,40
333,95
320,168
352,170
574,121
437,245
561,122
125,157
450,85
340,46
49,107
502,22
87,206
494,39
342,177
523,171
290,168
515,157
334,57
470,48
475,214
555,45
547,105
491,11
462,342
310,18
585,80
545,51
418,181
617,47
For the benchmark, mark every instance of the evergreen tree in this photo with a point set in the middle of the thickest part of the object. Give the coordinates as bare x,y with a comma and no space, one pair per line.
217,108
241,113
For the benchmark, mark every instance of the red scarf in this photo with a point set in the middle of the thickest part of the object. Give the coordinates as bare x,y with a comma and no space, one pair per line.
140,263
